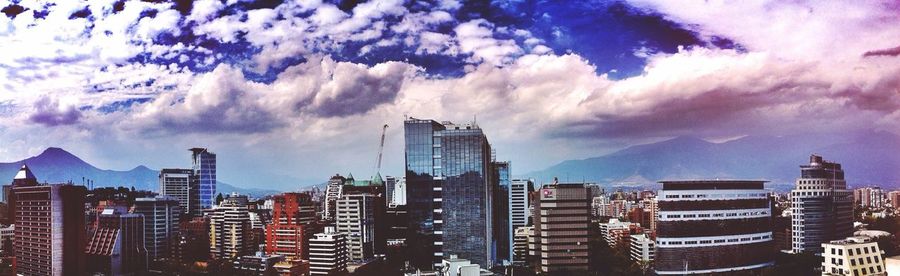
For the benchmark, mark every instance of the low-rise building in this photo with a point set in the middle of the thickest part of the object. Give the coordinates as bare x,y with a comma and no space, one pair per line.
328,253
852,256
642,249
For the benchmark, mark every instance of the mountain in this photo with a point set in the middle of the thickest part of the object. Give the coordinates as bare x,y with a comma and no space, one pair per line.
867,159
58,165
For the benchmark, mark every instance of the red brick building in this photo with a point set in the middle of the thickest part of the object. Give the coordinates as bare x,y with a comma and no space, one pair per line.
288,233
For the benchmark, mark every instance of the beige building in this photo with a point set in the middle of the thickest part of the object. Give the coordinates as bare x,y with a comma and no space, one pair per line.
852,256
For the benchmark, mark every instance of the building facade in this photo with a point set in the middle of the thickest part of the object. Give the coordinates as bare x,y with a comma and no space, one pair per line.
287,234
356,219
333,191
852,256
869,197
502,212
642,249
520,244
50,230
117,246
204,166
821,206
177,184
328,253
518,202
713,226
229,228
449,193
562,227
161,219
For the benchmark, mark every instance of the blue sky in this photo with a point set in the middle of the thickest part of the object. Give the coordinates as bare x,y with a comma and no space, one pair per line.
288,93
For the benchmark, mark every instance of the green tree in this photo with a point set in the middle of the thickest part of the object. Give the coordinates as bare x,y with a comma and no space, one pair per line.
219,199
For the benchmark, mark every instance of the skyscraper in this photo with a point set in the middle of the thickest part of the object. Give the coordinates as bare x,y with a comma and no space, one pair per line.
161,219
23,178
229,229
821,206
117,246
356,219
178,184
333,191
449,192
204,166
50,229
518,202
390,183
503,229
287,234
561,227
713,226
398,195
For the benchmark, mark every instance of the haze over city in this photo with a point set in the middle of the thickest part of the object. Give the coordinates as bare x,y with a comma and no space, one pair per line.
288,93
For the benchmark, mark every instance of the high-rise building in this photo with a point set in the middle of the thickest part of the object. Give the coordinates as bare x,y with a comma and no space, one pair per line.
821,206
333,191
642,249
23,178
502,215
518,202
287,234
398,194
117,246
617,232
356,219
449,192
520,244
713,226
390,183
193,240
869,197
894,198
328,253
50,229
177,184
852,256
562,227
204,166
229,226
161,219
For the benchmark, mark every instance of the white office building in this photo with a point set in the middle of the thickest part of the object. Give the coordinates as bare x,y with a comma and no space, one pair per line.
852,256
328,253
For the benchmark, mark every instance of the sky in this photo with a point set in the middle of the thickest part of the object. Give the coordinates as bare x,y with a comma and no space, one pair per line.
288,93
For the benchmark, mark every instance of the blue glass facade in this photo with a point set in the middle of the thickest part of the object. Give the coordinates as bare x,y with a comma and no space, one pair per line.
467,195
450,188
503,230
204,166
422,153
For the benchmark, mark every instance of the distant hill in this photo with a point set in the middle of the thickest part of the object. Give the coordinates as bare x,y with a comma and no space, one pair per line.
57,165
867,159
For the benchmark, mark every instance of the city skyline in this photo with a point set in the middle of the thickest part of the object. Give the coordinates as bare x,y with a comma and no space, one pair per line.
289,94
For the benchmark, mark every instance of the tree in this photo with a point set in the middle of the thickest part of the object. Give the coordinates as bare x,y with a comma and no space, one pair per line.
219,199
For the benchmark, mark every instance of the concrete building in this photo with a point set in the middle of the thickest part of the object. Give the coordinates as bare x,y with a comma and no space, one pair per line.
290,229
49,235
257,264
177,184
852,256
333,192
562,226
821,206
520,244
713,226
869,197
518,202
296,267
642,249
894,198
161,219
229,227
24,178
356,219
617,233
328,253
117,246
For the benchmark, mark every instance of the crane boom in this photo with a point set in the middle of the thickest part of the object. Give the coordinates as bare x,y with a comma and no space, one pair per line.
380,149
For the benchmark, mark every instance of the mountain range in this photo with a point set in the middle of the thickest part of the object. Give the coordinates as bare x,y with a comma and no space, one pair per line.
869,159
56,165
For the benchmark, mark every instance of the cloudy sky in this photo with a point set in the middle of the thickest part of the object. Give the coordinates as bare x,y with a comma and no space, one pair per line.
288,93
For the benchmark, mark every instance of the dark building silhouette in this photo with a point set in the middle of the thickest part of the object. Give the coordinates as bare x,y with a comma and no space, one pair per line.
117,246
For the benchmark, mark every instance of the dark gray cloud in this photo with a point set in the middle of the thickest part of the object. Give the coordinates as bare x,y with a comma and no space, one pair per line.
883,52
48,112
356,89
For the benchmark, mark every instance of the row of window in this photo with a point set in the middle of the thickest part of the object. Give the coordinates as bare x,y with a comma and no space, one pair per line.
716,241
750,195
719,215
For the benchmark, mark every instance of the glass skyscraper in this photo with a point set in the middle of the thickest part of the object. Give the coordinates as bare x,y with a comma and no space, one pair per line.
205,176
449,192
503,230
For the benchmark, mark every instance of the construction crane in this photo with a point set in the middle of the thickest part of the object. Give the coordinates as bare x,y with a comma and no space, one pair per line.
380,150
